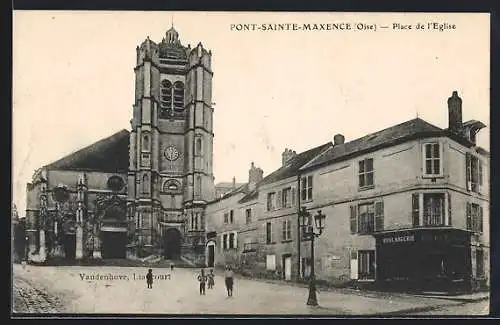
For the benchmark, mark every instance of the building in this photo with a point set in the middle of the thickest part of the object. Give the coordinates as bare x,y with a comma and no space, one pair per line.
224,188
407,207
140,192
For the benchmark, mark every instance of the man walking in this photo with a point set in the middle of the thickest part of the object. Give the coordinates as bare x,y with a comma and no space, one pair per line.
228,276
202,278
149,279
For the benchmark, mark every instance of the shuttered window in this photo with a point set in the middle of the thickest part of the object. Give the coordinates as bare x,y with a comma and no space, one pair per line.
415,203
353,220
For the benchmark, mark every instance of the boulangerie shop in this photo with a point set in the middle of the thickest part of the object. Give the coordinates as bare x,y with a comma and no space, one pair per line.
429,259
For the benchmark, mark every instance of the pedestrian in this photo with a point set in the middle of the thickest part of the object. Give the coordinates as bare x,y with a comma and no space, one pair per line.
171,266
211,279
228,276
149,279
202,278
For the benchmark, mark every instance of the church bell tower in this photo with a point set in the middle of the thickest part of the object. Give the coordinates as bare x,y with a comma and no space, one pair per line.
170,177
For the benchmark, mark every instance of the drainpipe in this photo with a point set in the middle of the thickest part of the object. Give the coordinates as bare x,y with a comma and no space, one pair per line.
298,228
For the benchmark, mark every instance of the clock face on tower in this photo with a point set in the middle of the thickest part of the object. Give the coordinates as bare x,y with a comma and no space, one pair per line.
171,153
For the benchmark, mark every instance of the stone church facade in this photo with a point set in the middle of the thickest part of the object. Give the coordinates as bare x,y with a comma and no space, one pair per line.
141,192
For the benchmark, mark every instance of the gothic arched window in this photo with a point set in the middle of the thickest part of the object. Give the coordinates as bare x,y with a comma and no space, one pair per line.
165,98
199,146
178,97
145,184
145,142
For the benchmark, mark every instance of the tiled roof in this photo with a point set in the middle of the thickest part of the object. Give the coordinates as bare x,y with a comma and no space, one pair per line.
224,185
107,155
293,166
385,137
250,196
173,51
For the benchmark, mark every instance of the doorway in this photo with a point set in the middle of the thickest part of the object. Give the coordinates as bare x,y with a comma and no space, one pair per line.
211,255
114,244
69,243
287,267
172,244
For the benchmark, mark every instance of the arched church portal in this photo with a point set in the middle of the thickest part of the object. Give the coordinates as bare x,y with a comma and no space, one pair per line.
172,244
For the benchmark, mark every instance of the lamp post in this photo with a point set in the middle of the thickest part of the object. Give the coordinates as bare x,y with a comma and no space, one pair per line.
308,232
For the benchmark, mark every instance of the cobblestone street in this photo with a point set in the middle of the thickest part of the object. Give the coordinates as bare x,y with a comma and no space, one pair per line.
75,290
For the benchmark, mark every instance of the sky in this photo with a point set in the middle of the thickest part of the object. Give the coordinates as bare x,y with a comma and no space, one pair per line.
73,79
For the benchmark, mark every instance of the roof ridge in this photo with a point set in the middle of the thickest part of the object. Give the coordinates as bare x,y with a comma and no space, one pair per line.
87,147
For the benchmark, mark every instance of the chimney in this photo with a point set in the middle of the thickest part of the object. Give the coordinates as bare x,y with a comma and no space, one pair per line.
455,113
234,182
338,139
255,175
287,155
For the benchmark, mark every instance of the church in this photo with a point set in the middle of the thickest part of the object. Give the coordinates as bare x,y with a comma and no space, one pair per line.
141,192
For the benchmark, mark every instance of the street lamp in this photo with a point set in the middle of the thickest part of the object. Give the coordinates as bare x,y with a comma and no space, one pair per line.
308,232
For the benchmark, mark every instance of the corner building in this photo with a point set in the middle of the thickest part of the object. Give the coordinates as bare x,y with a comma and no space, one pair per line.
140,192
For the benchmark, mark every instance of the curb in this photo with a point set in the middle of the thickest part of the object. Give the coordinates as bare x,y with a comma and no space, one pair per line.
465,300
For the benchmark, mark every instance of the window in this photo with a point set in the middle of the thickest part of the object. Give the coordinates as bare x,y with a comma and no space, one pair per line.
231,216
286,198
199,146
306,185
415,204
367,217
145,184
166,95
226,217
250,245
434,212
145,142
474,170
224,241
474,217
248,216
366,173
231,240
432,159
271,262
366,265
178,97
269,234
271,197
287,230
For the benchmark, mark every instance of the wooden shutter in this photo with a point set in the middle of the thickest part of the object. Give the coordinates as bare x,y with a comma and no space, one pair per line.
469,217
415,202
353,220
481,219
354,264
449,208
293,194
468,170
221,243
278,199
235,240
379,216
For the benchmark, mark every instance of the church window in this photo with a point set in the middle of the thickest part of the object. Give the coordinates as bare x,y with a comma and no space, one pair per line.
178,98
165,98
145,142
199,146
145,184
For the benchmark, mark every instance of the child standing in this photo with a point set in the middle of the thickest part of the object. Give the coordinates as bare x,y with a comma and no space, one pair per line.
149,279
211,279
202,278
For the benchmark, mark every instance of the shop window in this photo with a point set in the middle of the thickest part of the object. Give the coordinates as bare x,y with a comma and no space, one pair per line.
479,263
366,265
434,212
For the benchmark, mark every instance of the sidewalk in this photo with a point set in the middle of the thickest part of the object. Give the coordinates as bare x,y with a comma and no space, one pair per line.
471,297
